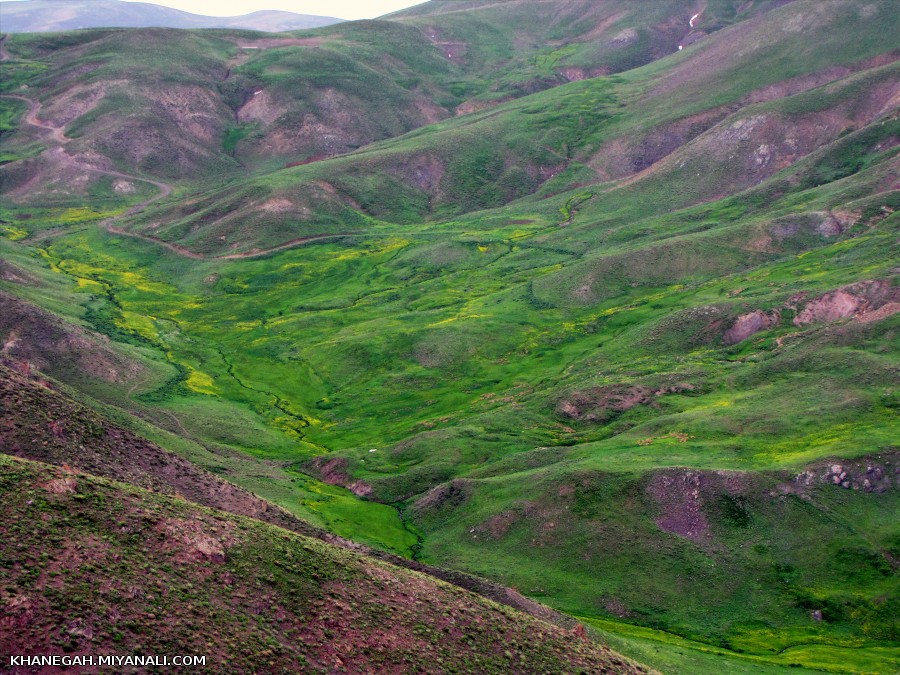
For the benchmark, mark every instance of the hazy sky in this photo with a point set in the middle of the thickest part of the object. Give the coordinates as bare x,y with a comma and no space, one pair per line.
344,9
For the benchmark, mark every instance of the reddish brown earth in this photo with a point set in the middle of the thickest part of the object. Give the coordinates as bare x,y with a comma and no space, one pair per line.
677,492
452,494
161,572
32,335
40,423
334,472
600,404
865,301
750,324
801,83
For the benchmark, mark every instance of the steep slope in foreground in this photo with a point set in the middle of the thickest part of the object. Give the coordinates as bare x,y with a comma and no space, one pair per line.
93,566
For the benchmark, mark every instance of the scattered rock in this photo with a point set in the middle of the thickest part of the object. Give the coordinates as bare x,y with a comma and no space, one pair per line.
452,494
496,527
868,475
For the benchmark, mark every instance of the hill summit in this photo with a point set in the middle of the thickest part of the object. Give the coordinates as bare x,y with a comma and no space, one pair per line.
38,16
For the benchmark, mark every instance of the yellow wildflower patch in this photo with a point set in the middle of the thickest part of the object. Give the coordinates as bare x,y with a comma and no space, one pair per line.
14,233
200,382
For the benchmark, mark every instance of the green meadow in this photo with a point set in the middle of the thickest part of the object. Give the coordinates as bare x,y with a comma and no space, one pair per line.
496,341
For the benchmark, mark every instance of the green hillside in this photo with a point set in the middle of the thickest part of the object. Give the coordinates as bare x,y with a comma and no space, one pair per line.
519,289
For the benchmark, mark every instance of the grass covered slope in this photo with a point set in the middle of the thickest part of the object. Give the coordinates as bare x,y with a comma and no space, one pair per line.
228,98
605,343
93,566
684,130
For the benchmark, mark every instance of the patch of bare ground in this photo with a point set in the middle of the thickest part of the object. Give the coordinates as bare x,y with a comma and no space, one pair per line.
329,123
750,324
677,492
498,526
474,105
16,275
424,172
50,174
334,471
188,540
781,231
683,497
601,404
30,334
452,50
198,112
623,157
864,301
331,126
77,101
276,42
262,107
450,495
572,74
801,83
745,149
427,111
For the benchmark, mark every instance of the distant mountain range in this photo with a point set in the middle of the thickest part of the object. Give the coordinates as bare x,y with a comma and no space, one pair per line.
40,16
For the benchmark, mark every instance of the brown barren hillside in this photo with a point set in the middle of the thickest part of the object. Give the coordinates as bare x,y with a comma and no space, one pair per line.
93,566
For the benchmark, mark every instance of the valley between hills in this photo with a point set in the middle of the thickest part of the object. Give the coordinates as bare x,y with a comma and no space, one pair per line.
554,336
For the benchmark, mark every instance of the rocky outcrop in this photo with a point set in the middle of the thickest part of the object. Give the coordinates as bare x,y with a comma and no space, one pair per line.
862,301
750,324
334,471
877,474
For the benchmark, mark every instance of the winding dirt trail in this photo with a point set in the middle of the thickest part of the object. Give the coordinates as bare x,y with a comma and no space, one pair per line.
34,107
165,189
